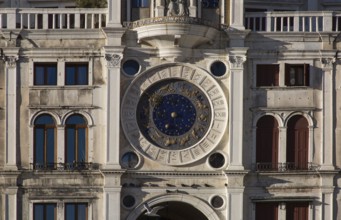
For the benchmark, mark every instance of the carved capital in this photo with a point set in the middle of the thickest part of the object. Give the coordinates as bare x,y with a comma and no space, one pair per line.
113,60
11,61
327,63
237,62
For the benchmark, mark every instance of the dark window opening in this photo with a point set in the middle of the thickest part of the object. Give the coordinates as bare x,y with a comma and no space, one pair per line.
44,211
44,142
210,3
267,75
76,74
76,211
267,143
297,74
140,3
297,210
45,74
267,211
76,139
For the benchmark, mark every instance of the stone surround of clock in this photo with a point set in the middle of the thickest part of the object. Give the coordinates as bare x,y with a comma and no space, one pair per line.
174,114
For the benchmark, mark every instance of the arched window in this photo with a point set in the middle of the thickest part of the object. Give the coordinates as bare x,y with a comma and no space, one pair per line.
44,142
76,139
297,142
267,143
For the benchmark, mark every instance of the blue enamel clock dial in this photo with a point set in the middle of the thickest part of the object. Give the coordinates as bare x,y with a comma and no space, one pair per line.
173,114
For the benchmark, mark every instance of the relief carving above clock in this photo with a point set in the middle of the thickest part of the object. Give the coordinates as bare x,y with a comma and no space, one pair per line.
174,114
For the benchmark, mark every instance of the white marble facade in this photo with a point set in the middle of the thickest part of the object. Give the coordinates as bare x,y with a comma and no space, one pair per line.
175,95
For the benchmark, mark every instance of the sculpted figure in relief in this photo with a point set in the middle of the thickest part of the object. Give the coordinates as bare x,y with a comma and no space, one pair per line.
177,8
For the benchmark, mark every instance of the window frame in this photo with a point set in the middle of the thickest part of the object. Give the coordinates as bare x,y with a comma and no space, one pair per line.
263,71
76,66
76,128
305,74
262,130
45,214
45,128
297,154
45,66
76,204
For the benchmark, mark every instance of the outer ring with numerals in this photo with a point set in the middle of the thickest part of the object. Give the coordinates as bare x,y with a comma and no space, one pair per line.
214,128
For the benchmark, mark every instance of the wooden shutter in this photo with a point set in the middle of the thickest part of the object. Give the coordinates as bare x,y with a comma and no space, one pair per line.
297,142
297,210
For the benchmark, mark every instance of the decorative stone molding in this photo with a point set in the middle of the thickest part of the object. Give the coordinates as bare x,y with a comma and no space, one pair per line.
11,61
327,63
237,62
114,60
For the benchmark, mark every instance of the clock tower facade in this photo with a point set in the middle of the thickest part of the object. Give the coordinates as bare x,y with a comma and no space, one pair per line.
177,71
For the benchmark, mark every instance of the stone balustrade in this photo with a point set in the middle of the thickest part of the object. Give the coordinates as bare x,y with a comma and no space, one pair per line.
52,18
91,18
293,21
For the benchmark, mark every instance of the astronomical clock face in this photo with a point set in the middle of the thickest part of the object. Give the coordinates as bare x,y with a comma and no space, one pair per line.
174,115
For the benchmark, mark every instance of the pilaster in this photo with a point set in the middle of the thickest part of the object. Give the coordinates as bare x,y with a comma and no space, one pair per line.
114,13
113,57
11,203
112,195
235,195
11,110
327,65
237,58
236,16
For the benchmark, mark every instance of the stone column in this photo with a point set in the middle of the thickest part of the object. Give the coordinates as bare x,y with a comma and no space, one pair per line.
11,203
114,13
236,16
236,108
113,58
282,145
11,113
328,114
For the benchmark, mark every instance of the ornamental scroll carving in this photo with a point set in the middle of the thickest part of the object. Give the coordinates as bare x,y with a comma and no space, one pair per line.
237,61
177,8
327,63
114,60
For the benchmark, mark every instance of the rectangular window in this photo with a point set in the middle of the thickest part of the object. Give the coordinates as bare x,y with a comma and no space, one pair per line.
267,211
297,74
140,3
76,74
43,211
45,74
267,75
76,211
297,210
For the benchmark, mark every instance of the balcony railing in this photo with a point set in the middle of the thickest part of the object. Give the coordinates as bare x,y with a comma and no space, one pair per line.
288,166
75,166
55,18
171,19
298,21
